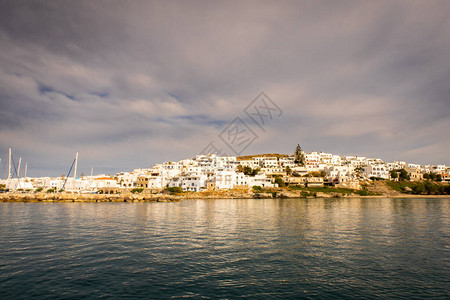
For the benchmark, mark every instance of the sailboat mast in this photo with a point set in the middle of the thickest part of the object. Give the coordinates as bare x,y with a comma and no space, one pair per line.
9,165
18,172
76,165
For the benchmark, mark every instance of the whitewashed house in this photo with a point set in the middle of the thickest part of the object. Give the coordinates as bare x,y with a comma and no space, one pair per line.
127,179
193,183
225,179
380,170
104,182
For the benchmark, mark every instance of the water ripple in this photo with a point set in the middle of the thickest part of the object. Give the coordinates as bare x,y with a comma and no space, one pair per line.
203,249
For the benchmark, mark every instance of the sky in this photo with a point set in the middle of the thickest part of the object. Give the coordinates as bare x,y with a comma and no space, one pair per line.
128,84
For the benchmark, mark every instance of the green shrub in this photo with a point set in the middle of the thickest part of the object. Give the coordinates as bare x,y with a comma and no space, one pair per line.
427,187
137,190
363,192
418,189
329,189
257,188
174,189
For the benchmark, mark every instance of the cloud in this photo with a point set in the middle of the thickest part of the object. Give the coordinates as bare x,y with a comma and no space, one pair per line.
128,85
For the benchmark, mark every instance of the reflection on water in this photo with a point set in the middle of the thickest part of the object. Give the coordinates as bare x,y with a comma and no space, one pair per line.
286,248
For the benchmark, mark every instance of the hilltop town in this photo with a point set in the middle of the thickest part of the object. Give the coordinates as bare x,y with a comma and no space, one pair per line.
258,173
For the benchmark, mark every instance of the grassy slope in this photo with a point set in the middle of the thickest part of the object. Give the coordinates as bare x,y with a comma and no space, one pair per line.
420,187
328,190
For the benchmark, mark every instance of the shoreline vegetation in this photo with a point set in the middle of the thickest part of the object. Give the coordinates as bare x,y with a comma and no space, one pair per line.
376,189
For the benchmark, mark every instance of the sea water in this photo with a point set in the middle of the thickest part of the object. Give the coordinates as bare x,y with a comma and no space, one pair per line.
251,248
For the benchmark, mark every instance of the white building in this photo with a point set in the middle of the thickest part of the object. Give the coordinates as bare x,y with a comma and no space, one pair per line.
104,182
127,179
193,183
312,159
380,170
269,162
261,180
339,171
225,179
286,162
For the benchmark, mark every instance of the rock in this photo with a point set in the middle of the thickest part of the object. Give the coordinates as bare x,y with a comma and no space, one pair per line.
263,195
287,194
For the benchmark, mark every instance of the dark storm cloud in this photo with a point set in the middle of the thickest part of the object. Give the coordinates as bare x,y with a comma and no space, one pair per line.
129,83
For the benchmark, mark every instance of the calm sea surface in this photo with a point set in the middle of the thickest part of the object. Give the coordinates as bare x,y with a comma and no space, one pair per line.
293,248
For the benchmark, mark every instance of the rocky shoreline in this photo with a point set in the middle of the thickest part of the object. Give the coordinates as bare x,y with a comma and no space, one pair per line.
86,198
63,197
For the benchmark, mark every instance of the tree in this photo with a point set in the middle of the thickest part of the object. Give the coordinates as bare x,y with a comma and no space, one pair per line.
249,171
359,171
431,188
288,170
432,176
299,157
239,168
255,171
394,174
404,175
279,181
418,189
